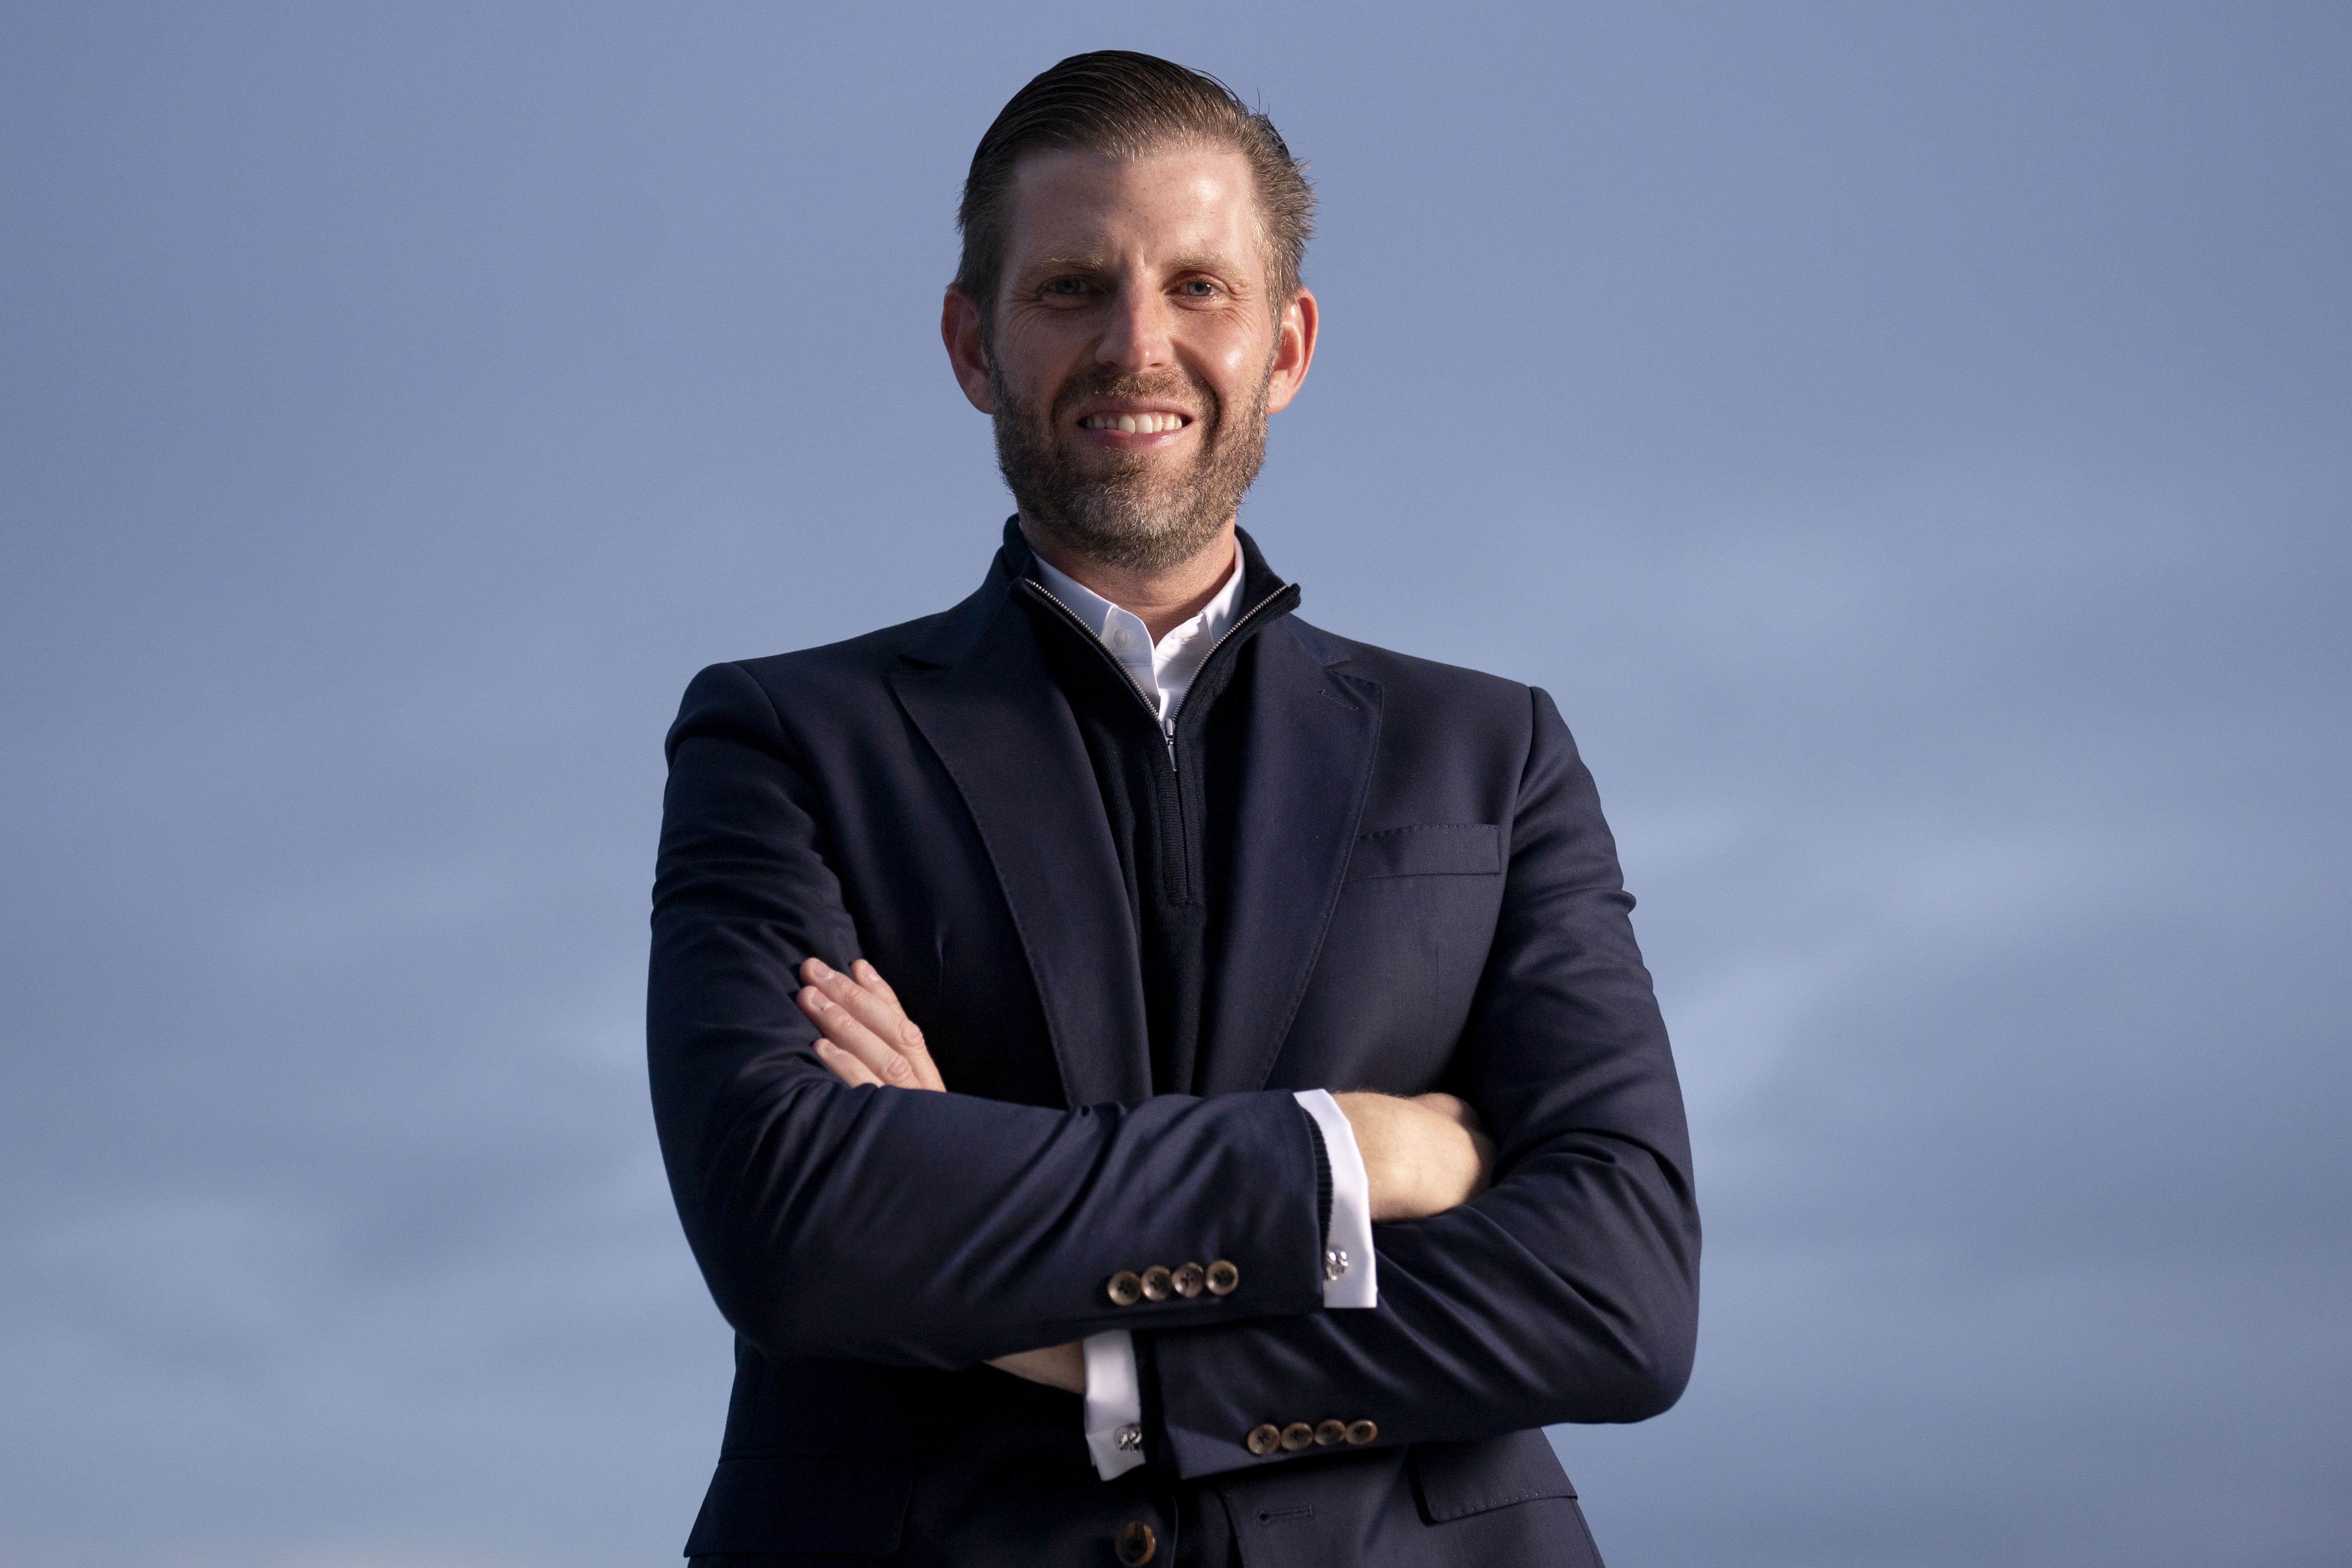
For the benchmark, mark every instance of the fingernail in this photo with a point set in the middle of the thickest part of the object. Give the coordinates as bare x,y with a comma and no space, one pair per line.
819,966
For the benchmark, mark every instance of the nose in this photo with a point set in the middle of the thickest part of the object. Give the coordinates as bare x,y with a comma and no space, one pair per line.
1136,337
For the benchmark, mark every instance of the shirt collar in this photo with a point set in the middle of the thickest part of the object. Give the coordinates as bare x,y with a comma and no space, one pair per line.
1123,632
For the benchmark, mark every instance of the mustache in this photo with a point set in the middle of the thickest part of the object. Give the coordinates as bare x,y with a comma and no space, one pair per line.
1196,399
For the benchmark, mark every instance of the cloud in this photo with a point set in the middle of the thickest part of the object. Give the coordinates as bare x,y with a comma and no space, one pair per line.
1906,446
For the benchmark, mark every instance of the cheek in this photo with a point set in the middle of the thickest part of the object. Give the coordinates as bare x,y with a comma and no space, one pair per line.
1233,357
1035,353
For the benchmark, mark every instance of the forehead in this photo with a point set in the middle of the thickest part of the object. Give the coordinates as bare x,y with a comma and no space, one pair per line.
1181,201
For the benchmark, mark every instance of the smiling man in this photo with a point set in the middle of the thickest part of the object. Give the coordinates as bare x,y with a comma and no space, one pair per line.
1147,1079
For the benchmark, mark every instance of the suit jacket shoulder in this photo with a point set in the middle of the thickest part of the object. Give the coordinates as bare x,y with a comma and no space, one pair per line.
841,680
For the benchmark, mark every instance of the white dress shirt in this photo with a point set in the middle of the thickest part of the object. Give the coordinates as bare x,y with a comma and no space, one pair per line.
1163,671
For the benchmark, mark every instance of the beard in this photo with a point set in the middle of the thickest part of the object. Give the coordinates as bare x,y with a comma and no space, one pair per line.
1129,511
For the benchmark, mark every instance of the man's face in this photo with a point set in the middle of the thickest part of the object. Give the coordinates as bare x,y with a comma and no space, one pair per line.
1136,350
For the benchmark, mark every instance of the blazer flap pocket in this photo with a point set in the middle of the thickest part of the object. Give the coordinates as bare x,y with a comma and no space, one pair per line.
761,1504
1454,1480
1433,850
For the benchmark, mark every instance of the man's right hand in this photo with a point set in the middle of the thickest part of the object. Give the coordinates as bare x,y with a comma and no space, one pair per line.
863,1034
1422,1156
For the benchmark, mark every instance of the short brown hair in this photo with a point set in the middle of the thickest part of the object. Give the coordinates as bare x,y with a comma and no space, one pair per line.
1125,104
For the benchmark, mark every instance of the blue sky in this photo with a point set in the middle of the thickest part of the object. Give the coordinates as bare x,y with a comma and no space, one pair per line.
1910,442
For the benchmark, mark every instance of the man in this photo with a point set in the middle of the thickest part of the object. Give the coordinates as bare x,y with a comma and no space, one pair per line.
1147,1079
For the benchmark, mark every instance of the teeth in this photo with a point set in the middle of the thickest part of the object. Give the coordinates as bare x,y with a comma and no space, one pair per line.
1135,423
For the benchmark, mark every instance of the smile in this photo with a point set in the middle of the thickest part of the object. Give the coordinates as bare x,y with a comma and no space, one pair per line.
1134,424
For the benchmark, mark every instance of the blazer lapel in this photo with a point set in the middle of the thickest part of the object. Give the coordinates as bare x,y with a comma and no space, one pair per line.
1000,728
1311,735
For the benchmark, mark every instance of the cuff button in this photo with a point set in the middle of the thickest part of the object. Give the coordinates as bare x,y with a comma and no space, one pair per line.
1189,1280
1262,1439
1126,1289
1297,1435
1137,1543
1157,1284
1223,1277
1361,1432
1329,1432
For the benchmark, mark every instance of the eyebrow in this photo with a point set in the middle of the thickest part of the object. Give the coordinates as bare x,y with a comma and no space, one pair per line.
1065,264
1198,261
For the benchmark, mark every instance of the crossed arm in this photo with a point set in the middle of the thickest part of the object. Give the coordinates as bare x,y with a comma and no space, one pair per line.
1421,1155
1565,1291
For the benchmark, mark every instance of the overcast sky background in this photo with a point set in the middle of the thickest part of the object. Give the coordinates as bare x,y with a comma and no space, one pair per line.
1913,443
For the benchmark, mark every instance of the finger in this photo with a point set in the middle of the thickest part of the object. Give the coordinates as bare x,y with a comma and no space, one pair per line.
1463,1115
878,1011
869,999
1468,1119
865,974
1058,1367
837,1025
846,1068
911,1036
1447,1106
1485,1147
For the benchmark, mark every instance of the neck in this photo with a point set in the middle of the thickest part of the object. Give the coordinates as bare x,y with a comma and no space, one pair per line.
1162,598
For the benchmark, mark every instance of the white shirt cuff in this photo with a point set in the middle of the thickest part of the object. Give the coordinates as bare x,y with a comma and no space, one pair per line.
1114,1404
1351,1278
1350,1272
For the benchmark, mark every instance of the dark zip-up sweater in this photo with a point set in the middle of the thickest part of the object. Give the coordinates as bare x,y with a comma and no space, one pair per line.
1171,802
1168,797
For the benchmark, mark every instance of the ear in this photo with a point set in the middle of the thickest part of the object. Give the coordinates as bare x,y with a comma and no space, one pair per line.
1294,350
967,353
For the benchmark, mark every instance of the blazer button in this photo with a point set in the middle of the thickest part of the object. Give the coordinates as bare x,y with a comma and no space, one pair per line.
1297,1435
1157,1284
1189,1280
1329,1432
1126,1289
1222,1277
1263,1439
1361,1432
1137,1543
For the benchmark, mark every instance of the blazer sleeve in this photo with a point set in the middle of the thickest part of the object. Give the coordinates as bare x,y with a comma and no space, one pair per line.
902,1226
1569,1291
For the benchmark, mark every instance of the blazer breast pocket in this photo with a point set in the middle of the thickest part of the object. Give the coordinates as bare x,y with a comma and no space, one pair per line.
1429,850
1399,968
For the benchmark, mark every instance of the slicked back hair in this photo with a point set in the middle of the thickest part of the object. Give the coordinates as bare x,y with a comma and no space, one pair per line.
1124,104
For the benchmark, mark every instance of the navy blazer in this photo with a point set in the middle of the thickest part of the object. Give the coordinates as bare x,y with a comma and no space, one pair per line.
1424,894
